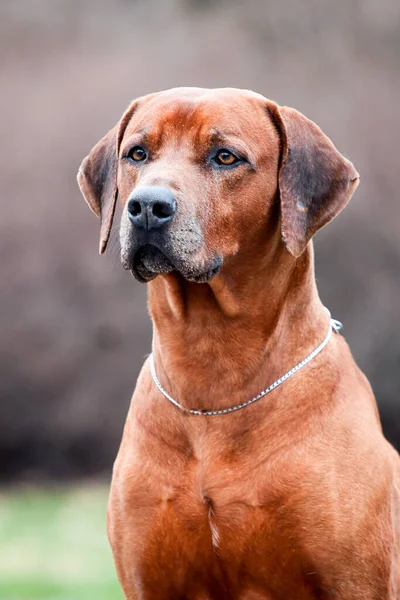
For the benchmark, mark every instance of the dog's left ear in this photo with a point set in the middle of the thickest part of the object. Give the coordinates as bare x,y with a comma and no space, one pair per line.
97,176
315,180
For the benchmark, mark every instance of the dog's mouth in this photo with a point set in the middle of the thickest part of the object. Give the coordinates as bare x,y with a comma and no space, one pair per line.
149,261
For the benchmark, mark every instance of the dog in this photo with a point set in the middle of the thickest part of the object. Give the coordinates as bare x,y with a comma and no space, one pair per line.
252,465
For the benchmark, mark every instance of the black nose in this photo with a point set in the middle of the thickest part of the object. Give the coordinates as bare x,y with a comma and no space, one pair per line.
151,207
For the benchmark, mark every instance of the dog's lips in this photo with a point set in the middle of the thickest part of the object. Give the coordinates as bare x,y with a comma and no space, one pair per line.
149,261
204,276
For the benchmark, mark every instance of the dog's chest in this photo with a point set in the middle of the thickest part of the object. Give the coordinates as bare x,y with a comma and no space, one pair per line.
207,517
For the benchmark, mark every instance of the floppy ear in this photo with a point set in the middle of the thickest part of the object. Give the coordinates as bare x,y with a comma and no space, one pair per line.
97,177
315,180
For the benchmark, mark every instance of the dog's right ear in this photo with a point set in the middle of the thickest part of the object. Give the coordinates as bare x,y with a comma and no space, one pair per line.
97,176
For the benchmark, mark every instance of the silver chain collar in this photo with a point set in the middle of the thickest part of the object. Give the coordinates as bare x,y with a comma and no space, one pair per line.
334,325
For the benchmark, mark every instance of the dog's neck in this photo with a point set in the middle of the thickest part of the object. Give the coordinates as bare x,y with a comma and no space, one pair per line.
212,341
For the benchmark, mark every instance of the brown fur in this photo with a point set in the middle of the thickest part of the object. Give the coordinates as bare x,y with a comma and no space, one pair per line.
297,496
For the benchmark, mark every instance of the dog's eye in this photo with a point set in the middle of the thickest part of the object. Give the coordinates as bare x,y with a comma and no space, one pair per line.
226,158
138,154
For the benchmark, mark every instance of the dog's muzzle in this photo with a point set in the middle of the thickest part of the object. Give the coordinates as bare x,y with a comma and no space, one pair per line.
154,242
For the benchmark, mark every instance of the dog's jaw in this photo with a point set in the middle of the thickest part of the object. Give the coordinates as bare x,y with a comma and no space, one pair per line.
149,261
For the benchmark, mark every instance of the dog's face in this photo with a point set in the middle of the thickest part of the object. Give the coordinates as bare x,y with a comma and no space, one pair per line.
206,176
197,176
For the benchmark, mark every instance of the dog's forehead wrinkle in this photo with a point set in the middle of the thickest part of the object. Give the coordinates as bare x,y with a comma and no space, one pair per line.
143,131
217,132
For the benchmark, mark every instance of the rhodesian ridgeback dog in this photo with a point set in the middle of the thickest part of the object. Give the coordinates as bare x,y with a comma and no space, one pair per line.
253,464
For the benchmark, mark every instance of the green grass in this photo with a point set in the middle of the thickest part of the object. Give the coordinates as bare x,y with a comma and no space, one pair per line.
53,545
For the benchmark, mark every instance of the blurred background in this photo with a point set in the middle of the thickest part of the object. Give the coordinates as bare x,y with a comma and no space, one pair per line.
74,326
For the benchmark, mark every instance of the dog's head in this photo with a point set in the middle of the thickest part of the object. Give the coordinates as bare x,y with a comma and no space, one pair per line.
207,175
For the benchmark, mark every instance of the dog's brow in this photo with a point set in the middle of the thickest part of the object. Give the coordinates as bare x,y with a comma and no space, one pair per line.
218,134
231,138
228,138
143,133
141,136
